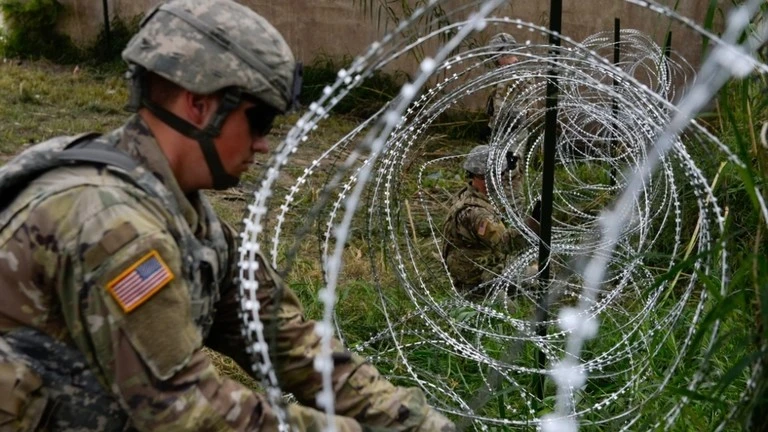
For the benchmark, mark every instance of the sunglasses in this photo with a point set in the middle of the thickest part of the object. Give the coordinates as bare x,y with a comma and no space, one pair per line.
260,119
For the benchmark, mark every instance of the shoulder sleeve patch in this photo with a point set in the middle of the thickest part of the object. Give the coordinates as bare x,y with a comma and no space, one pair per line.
482,227
140,281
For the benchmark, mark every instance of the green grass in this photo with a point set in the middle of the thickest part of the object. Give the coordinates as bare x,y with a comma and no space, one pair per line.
42,100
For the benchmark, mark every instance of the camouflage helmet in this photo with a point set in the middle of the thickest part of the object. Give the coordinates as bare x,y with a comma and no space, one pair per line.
476,162
502,41
207,45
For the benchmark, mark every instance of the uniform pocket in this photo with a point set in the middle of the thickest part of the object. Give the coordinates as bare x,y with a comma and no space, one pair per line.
24,401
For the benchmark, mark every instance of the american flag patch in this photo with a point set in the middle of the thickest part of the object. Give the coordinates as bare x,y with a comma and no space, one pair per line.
140,281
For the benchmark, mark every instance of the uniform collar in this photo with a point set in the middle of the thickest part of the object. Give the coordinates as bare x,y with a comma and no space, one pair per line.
472,193
471,190
136,139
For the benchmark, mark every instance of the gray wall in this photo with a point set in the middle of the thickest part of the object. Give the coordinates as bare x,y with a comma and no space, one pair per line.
339,27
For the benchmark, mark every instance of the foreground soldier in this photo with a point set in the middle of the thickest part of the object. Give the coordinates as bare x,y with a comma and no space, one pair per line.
476,241
115,271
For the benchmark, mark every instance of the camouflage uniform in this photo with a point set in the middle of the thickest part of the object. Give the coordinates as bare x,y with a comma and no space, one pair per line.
506,105
502,102
73,229
476,241
113,279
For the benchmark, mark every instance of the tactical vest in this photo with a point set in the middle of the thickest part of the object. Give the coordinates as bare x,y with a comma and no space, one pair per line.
205,262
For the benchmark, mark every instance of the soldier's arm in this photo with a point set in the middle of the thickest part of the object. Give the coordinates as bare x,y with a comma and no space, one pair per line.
360,391
490,110
127,306
490,231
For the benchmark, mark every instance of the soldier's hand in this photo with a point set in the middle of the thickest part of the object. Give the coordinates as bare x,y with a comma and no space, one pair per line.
436,422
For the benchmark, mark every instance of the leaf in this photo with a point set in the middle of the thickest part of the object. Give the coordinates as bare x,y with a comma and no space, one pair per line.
708,24
738,369
698,396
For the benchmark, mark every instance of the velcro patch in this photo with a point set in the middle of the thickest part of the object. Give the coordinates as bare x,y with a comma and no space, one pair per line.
140,281
482,227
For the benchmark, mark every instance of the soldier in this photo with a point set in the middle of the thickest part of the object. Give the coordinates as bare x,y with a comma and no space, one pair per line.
476,241
115,270
505,106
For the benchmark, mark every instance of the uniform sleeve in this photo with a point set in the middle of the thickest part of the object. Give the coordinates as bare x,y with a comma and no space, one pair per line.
490,231
361,392
126,304
494,105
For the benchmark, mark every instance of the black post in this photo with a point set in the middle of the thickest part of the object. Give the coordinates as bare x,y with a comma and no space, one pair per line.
548,184
107,30
615,104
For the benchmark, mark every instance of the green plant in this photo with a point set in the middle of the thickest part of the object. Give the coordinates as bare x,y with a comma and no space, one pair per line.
29,33
105,51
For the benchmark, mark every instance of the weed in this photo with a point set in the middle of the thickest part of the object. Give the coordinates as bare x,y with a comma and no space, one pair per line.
29,25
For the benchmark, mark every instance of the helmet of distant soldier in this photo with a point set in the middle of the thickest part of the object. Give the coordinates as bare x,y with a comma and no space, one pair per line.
476,162
502,42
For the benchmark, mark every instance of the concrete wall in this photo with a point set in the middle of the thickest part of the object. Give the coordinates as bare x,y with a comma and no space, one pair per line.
339,27
311,27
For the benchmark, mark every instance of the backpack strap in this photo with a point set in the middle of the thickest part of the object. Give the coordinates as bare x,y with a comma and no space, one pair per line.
93,151
82,149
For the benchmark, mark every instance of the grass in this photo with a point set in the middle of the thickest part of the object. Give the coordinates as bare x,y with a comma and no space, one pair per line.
40,100
39,103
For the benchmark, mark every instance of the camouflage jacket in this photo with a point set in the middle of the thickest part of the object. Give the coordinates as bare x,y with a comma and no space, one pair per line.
135,276
507,102
476,241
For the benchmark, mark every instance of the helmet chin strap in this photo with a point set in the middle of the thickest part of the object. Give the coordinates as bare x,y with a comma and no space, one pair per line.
204,137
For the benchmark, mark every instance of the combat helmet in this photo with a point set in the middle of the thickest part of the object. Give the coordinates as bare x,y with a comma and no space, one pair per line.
206,46
477,159
502,42
499,43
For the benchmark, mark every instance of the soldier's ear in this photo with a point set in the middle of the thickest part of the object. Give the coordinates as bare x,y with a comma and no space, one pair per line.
198,109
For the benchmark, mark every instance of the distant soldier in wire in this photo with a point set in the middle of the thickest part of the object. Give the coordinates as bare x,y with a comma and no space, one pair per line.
476,241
